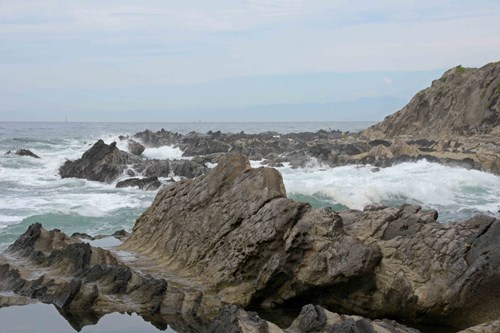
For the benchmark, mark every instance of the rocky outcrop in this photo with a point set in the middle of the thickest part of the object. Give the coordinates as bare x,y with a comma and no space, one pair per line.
237,226
106,163
430,272
102,162
333,148
23,152
148,184
312,319
463,102
232,237
135,147
489,327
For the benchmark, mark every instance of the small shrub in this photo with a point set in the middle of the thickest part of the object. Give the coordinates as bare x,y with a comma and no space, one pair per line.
460,69
498,89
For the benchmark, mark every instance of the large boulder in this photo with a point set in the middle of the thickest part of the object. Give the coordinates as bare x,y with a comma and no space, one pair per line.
102,162
257,247
135,147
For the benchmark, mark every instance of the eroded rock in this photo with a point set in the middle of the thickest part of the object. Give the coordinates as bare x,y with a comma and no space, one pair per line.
102,163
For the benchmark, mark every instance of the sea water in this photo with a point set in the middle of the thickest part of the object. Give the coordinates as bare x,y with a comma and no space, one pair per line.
31,190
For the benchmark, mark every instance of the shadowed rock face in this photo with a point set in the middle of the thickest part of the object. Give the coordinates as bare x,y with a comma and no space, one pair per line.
445,273
105,163
232,237
102,163
463,102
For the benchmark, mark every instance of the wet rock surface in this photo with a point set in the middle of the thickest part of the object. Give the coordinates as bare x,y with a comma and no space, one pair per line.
135,147
232,238
23,152
333,148
148,184
106,163
102,162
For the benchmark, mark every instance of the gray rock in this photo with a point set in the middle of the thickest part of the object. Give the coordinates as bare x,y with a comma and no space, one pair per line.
135,147
463,102
148,184
23,152
101,162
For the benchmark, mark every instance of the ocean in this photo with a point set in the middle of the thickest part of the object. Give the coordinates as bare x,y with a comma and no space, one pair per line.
32,191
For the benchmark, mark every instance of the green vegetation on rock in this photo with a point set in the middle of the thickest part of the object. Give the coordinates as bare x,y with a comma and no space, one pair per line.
460,69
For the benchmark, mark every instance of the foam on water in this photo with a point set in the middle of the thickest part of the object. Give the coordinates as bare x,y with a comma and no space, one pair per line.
32,191
454,192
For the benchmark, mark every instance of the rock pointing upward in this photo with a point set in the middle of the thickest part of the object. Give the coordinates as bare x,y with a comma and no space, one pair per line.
463,102
235,232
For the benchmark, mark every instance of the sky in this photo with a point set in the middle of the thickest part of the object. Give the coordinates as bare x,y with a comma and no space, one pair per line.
248,60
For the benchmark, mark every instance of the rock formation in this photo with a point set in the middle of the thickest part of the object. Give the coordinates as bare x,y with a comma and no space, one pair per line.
148,184
312,319
333,148
23,152
455,122
102,162
232,237
106,163
463,102
135,147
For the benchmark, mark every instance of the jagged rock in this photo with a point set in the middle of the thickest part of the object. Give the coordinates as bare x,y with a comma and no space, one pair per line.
312,319
334,148
76,276
148,184
23,152
101,162
232,237
463,102
489,327
187,168
258,247
154,168
429,272
167,168
135,147
315,319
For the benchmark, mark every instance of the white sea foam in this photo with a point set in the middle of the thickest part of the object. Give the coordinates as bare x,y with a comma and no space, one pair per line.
428,184
165,152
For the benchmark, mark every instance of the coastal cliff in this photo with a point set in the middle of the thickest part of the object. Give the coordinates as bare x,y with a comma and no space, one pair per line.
463,102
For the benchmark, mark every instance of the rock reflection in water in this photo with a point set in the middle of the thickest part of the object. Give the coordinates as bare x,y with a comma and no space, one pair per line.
43,318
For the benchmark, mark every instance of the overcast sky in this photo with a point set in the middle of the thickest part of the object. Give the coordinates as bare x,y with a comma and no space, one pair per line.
115,60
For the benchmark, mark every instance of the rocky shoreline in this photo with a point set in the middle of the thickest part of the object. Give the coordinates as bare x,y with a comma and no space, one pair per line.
226,239
208,248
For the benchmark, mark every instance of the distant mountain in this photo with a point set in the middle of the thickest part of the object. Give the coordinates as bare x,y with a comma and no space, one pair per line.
463,102
363,109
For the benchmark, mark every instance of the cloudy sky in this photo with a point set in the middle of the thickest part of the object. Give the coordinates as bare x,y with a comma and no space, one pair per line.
230,60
